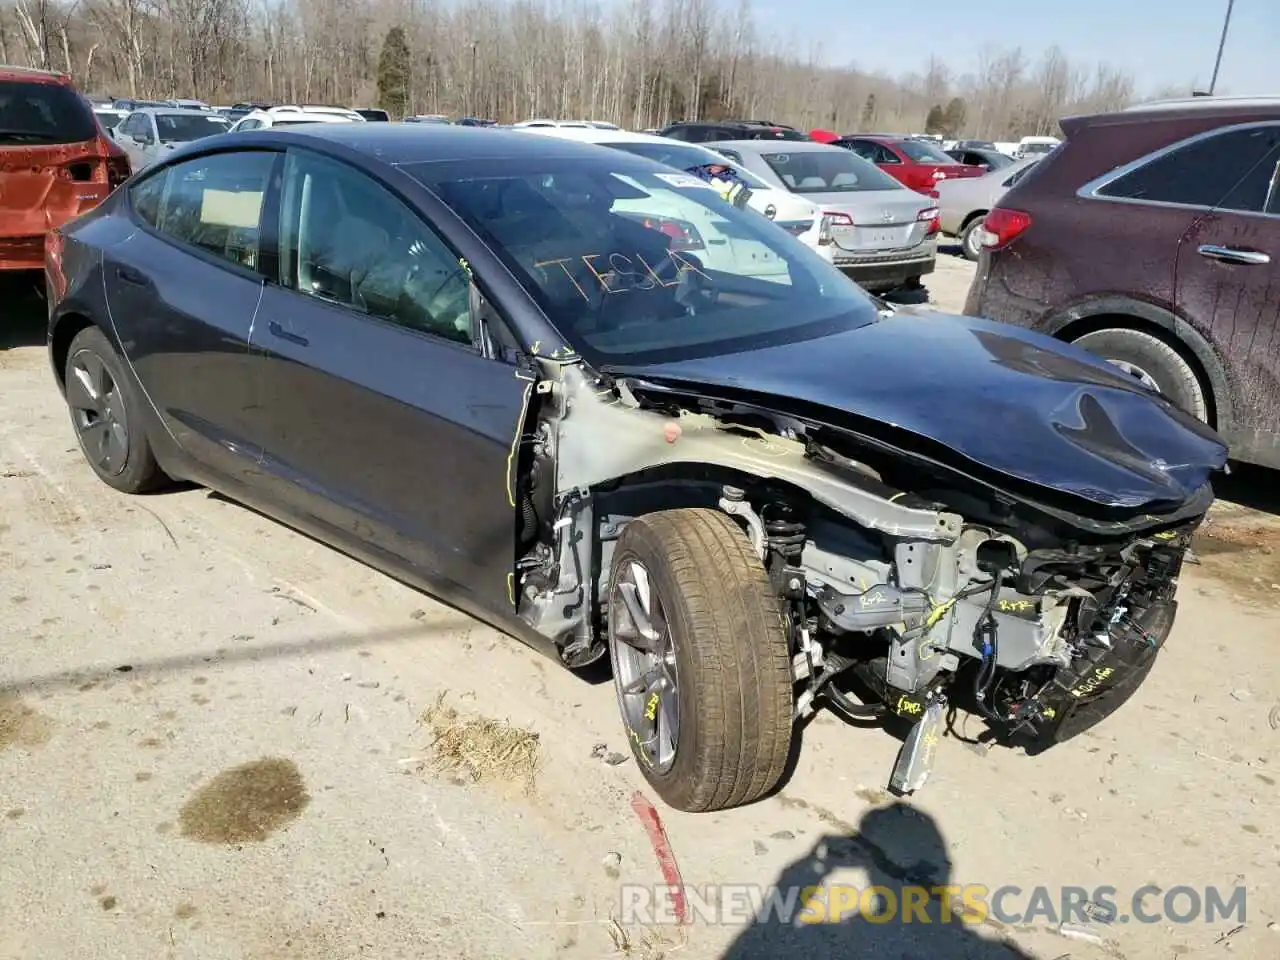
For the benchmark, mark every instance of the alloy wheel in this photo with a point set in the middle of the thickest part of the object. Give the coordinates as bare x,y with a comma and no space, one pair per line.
97,410
644,666
1135,371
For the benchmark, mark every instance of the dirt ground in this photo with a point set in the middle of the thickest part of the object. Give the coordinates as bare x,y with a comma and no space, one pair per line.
220,739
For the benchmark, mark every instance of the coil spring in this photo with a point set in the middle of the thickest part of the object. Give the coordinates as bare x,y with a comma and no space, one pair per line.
783,532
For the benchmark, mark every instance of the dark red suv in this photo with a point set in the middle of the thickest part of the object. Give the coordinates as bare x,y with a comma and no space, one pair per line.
1151,237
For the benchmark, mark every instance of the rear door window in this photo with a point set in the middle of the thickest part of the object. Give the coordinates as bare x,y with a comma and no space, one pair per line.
38,113
1200,173
213,203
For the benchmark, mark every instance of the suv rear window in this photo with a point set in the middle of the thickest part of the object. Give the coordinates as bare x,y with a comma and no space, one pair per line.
1200,173
35,113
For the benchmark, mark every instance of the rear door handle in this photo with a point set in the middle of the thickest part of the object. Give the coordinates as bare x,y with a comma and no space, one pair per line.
279,331
129,275
1230,255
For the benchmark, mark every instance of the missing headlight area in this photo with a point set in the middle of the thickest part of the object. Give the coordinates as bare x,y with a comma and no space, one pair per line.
746,564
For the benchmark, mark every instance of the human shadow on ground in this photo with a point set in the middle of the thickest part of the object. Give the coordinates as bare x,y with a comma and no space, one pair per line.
900,857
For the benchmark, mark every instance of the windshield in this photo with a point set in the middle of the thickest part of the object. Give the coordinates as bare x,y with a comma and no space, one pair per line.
181,127
634,264
686,156
923,152
33,113
833,170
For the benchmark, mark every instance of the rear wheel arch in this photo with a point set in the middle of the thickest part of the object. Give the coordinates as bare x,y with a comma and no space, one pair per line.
65,329
975,215
1124,314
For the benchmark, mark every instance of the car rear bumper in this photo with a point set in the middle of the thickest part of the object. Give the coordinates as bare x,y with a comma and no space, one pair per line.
22,253
884,271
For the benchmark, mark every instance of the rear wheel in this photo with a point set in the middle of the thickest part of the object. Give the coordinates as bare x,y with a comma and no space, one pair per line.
700,660
106,411
1152,362
971,239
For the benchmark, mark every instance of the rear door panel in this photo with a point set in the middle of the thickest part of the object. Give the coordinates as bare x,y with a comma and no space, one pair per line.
183,314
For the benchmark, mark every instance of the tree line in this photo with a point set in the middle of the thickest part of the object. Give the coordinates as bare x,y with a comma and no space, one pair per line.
638,63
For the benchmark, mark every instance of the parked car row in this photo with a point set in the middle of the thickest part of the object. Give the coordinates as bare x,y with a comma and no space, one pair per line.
1142,236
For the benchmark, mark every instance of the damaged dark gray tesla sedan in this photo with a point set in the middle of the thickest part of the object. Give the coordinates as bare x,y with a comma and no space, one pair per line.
580,396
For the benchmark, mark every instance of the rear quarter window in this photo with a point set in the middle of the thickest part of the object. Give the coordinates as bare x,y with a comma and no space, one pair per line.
1199,173
43,113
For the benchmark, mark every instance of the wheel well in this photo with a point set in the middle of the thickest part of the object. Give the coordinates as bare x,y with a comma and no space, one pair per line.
1109,321
972,217
60,346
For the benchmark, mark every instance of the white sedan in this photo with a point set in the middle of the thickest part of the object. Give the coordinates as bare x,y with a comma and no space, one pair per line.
799,217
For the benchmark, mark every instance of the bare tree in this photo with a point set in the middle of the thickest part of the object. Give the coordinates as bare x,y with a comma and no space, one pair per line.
635,62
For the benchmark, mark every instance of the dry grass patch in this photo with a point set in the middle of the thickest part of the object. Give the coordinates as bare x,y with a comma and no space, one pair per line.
481,748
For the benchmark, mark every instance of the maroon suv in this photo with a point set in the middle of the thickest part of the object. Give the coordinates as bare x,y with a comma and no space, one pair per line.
1151,237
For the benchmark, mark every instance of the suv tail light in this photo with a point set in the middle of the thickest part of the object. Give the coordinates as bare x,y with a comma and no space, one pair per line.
931,215
1002,227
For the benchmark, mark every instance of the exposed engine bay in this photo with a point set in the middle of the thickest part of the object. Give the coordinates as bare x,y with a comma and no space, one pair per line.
910,583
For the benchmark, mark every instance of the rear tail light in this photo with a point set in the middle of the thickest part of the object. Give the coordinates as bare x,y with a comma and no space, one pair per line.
931,216
118,170
836,219
1002,227
684,235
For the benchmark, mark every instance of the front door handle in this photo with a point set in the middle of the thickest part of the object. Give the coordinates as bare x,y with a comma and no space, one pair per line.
1230,255
283,334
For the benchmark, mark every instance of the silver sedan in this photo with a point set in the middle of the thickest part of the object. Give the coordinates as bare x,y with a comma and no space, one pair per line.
963,204
878,232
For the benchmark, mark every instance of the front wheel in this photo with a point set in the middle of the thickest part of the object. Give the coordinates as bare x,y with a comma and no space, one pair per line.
700,660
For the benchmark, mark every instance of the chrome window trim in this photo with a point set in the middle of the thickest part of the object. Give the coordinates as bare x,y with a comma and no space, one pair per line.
1090,190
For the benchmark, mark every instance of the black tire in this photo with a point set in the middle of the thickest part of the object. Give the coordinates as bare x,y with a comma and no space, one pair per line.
734,692
1134,350
114,419
970,248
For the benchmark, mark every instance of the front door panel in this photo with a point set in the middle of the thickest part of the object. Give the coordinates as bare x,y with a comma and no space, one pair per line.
394,438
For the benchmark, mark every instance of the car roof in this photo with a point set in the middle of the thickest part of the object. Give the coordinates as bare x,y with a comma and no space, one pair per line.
32,74
1225,110
174,112
772,146
397,143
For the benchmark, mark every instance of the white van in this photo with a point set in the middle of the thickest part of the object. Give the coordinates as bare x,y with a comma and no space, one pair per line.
1035,147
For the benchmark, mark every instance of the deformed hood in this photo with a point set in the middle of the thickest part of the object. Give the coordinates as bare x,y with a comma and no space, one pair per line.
1005,398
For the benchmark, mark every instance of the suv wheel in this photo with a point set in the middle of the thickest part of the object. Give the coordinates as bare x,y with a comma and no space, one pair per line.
1153,362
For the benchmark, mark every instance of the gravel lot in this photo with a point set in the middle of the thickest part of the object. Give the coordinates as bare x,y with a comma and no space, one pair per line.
213,745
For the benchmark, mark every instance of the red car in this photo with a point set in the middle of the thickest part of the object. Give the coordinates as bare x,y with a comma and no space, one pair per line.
917,164
55,161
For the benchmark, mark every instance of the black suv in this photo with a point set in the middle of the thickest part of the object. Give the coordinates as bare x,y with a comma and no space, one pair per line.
706,132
